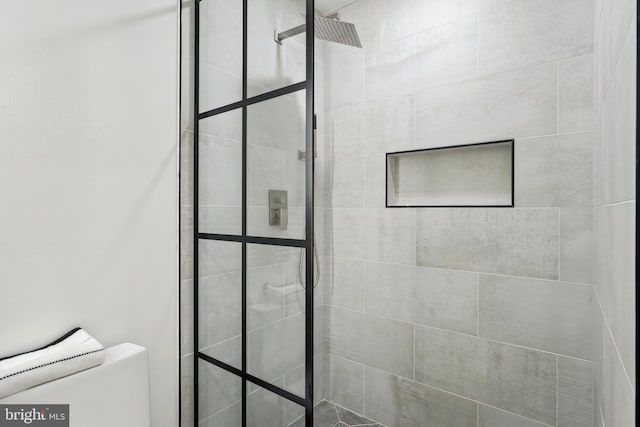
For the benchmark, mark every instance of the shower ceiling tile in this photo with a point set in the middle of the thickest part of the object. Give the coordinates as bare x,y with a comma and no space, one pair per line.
520,242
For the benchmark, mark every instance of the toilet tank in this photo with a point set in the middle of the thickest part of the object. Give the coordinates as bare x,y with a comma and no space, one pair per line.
115,393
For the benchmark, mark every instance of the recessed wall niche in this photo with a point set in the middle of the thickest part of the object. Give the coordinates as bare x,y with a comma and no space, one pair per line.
472,175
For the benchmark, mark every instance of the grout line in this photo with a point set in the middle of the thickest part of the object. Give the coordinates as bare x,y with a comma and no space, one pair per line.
463,271
615,344
444,391
615,204
462,333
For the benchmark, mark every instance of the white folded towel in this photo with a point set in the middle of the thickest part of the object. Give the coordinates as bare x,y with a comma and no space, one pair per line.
75,351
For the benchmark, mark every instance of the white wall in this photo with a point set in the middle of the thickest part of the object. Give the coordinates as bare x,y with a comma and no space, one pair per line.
88,178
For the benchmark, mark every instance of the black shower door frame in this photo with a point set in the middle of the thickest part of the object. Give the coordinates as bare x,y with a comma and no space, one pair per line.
307,243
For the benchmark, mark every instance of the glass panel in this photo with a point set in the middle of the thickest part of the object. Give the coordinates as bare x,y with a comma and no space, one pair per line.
267,409
220,174
220,53
220,301
219,397
275,138
275,314
271,65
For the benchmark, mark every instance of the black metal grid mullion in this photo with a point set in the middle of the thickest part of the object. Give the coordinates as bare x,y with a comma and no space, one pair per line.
196,203
309,213
254,99
245,12
244,239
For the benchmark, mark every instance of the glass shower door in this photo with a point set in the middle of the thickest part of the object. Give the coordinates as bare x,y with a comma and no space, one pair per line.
253,189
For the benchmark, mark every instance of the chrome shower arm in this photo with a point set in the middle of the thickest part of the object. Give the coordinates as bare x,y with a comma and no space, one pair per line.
279,37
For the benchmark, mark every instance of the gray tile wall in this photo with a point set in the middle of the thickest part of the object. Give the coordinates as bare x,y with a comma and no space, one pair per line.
462,316
614,212
502,296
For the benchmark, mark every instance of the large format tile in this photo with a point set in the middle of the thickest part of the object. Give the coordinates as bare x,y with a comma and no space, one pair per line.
546,315
615,276
434,13
345,282
217,389
445,54
442,298
219,310
617,395
277,348
387,70
516,104
614,151
554,170
510,378
522,242
372,128
532,32
347,179
492,417
575,392
378,342
220,172
378,21
375,181
399,402
390,235
346,233
576,245
345,82
346,386
575,94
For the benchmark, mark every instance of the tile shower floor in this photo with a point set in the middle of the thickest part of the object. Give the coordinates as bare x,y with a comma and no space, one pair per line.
326,414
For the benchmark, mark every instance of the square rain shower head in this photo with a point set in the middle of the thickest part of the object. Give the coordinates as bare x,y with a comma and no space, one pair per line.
336,31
